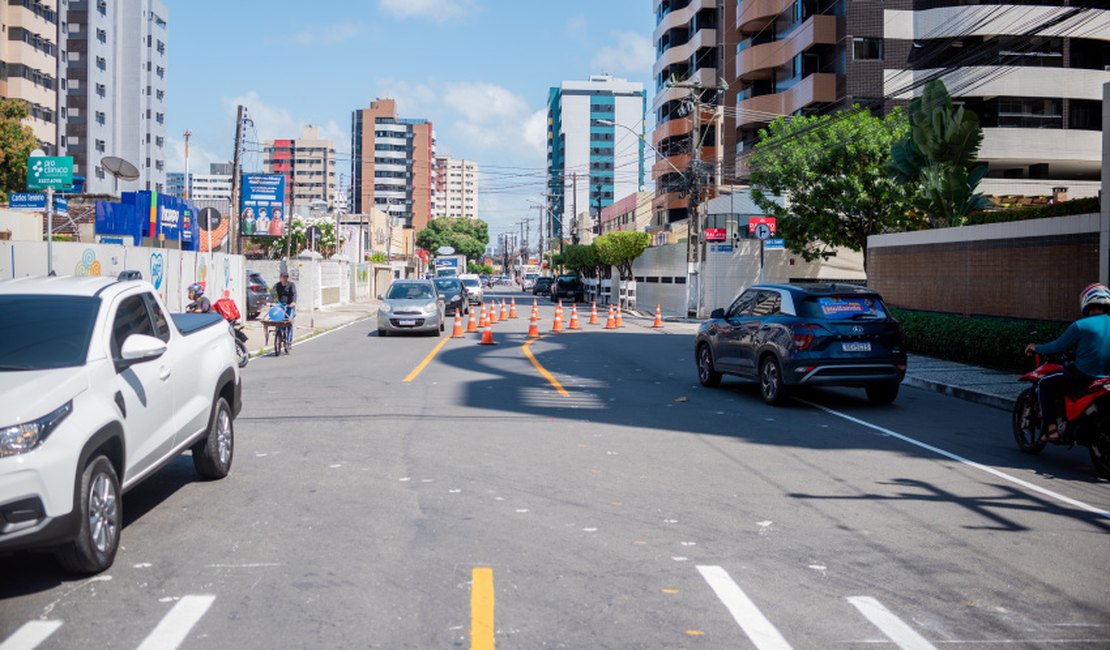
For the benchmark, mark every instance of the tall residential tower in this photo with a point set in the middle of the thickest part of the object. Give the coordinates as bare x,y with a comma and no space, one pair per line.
456,188
392,164
31,52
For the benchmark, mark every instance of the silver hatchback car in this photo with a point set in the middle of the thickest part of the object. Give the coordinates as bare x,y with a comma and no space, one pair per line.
411,306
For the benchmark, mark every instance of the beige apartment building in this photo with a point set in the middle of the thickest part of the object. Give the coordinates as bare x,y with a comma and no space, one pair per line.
29,56
456,188
308,164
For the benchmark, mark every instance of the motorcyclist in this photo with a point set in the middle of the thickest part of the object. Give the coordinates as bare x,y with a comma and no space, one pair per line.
1089,337
200,304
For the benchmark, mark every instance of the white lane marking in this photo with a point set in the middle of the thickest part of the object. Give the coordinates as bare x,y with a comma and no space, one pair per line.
960,459
30,635
175,626
894,628
761,632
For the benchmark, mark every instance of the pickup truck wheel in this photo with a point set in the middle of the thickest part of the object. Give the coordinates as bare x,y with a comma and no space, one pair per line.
101,518
212,454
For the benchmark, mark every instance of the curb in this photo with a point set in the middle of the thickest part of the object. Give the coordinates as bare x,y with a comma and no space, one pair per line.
970,395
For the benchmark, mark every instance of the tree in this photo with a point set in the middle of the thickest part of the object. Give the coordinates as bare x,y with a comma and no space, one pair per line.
581,259
937,157
297,236
832,170
468,237
17,141
620,248
479,269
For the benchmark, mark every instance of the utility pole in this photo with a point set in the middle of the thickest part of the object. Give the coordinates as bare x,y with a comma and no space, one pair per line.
597,225
188,183
574,208
527,237
236,245
541,232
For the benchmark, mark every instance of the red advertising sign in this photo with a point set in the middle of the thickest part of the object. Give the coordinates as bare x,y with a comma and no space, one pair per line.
756,221
715,234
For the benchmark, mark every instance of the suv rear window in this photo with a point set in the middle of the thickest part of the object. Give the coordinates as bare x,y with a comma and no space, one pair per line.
848,307
568,279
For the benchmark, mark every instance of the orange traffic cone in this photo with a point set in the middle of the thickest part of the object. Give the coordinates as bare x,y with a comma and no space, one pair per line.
472,326
457,333
557,326
493,312
593,314
483,321
504,311
658,324
487,335
512,310
535,305
610,322
620,321
533,328
573,317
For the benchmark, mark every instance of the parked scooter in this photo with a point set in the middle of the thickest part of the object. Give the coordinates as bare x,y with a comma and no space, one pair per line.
1086,418
227,308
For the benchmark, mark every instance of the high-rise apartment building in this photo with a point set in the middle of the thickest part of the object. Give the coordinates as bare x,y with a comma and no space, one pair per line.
1032,72
595,146
213,186
31,50
116,90
456,188
392,167
692,61
308,164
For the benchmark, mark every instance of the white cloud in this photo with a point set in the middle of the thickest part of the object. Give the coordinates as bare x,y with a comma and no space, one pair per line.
495,118
328,35
437,10
413,99
632,53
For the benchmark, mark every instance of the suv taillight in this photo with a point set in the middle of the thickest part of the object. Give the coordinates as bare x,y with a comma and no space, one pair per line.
803,336
257,287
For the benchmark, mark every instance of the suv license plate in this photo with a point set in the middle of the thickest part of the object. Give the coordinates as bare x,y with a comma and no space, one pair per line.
864,346
410,323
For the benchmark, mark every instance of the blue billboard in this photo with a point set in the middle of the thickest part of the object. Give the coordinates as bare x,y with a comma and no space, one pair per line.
160,217
262,206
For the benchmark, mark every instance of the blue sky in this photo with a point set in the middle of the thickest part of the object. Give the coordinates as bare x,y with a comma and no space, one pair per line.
479,69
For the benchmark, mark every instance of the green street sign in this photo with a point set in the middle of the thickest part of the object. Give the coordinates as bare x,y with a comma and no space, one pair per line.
49,171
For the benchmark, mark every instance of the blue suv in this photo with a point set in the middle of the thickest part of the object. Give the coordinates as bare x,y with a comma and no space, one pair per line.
786,335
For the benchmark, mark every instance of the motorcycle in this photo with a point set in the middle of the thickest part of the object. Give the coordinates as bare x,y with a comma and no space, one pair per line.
1086,420
226,307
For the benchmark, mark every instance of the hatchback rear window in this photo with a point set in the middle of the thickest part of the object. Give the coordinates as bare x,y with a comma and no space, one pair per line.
852,307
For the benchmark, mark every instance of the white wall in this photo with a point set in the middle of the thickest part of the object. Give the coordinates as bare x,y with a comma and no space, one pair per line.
23,225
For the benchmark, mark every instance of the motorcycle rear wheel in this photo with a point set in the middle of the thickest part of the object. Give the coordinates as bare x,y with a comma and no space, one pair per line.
1027,422
1100,448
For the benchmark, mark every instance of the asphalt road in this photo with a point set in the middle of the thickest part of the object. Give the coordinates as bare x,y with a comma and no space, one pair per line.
478,505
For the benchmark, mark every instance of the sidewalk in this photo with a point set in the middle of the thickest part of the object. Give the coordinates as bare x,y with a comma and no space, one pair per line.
309,324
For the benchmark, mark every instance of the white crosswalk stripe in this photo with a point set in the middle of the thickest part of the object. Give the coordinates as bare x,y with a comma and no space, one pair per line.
30,635
175,626
894,628
761,632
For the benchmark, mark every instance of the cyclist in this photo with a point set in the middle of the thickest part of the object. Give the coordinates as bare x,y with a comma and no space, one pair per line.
199,304
285,293
1089,337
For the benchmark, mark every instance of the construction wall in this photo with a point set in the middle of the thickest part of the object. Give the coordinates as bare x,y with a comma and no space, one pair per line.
1026,269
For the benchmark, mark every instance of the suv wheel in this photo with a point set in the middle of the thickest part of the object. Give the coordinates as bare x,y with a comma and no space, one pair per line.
101,518
771,387
882,393
707,375
212,454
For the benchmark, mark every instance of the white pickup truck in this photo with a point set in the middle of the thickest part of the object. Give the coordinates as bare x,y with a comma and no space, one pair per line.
99,388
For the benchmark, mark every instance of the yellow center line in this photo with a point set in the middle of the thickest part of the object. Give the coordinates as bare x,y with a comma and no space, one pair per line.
481,609
543,371
424,364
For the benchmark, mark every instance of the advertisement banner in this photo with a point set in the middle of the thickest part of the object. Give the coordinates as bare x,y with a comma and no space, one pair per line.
262,208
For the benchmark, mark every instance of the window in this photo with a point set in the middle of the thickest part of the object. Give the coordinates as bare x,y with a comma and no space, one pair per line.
132,317
161,325
102,35
102,7
99,145
865,48
101,63
101,90
101,118
743,305
768,304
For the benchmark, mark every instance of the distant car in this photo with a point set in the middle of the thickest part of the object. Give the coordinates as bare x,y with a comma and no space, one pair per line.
567,287
454,296
258,293
411,306
529,281
474,289
787,335
542,286
485,280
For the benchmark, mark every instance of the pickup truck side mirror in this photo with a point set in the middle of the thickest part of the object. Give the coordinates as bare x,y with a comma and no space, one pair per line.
138,348
717,313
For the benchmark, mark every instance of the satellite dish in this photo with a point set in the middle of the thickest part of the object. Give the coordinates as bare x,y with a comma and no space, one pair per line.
209,219
445,250
119,168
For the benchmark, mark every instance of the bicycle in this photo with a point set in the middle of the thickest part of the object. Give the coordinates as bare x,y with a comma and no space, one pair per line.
280,318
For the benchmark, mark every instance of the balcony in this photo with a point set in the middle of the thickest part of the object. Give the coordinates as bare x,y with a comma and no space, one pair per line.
758,61
685,52
817,88
669,129
755,15
679,17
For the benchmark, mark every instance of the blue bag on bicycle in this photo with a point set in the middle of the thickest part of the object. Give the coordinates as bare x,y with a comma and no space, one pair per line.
276,313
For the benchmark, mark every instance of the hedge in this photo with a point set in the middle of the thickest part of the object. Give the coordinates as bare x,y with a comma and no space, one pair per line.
1076,206
980,341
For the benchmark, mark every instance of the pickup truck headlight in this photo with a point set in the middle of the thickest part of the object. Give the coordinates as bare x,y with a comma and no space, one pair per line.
22,438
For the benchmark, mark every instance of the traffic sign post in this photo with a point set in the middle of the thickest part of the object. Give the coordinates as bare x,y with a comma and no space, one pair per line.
763,228
49,173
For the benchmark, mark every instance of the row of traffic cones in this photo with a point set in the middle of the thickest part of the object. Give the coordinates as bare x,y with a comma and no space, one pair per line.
490,316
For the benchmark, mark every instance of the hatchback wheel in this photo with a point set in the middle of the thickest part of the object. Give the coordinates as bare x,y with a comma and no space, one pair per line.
707,375
771,387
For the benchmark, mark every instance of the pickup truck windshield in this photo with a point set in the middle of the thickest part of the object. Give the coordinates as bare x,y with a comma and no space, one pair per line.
44,332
